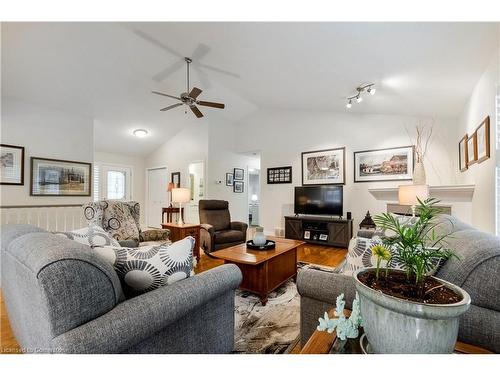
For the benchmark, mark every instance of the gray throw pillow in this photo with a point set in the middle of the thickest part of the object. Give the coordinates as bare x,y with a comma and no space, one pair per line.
92,236
146,268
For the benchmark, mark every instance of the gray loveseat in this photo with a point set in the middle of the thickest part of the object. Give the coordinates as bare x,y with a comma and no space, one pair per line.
477,271
61,298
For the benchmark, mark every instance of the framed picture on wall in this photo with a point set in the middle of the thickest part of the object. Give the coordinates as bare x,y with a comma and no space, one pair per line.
386,164
53,177
483,140
471,150
462,154
238,187
11,165
239,174
175,178
279,175
324,167
229,179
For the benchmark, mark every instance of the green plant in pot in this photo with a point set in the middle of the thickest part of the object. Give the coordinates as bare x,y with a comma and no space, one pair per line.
408,310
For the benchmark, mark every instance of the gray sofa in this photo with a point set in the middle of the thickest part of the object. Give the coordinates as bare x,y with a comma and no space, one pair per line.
477,271
61,298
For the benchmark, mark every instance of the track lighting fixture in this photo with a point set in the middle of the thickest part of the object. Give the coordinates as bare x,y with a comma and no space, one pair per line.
369,88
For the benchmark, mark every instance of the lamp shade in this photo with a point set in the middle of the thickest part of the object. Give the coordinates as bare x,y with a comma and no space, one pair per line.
408,194
181,195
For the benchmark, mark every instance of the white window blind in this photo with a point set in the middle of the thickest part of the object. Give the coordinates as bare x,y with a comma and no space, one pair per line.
97,170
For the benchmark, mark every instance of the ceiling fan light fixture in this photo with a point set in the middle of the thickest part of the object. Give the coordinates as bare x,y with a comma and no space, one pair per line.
140,133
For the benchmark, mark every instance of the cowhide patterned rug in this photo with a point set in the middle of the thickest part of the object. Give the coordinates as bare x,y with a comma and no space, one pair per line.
273,328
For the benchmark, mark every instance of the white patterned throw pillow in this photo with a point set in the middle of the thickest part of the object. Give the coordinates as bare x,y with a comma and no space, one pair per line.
146,268
360,255
92,236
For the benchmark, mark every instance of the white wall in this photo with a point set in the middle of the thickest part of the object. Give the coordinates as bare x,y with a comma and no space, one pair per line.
138,173
222,159
47,133
480,105
281,136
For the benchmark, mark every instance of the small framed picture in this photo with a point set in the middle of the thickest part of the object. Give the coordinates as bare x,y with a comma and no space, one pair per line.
323,237
462,154
307,235
238,186
483,140
176,179
229,179
239,174
471,150
12,165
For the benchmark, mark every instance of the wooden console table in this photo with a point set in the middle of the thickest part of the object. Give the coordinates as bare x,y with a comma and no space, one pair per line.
322,342
178,232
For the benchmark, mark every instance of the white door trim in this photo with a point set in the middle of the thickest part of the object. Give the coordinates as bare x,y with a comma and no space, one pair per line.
146,209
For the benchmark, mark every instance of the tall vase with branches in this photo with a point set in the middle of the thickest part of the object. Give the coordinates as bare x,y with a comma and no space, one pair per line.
421,142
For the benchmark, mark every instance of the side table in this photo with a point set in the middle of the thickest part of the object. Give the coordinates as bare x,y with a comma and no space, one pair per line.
178,232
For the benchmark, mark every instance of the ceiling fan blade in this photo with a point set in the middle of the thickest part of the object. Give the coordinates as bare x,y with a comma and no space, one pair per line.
211,104
160,76
195,92
171,106
196,111
156,42
202,76
170,96
218,70
200,51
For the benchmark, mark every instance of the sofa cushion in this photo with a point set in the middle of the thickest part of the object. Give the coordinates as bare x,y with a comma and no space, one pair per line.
92,236
146,268
94,212
119,222
227,236
477,268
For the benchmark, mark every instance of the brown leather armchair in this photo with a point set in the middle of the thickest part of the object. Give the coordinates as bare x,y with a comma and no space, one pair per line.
217,229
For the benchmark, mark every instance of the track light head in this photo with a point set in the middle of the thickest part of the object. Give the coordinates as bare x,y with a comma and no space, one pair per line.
349,103
371,90
359,99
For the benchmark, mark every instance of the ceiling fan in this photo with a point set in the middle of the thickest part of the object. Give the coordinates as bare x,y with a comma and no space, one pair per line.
190,97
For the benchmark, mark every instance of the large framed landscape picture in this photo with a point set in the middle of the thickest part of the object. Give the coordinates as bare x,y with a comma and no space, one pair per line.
389,164
11,165
324,167
54,177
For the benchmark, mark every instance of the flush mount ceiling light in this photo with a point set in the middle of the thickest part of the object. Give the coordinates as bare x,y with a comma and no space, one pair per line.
140,133
369,88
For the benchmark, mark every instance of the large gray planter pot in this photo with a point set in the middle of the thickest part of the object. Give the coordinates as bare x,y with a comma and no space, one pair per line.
394,325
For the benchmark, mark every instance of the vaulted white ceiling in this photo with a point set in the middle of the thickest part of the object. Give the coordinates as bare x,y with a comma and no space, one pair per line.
107,70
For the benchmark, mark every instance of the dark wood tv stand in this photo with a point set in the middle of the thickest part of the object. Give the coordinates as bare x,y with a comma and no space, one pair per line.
328,231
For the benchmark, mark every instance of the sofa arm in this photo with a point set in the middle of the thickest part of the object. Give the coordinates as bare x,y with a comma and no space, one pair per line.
154,235
207,233
139,318
318,293
238,225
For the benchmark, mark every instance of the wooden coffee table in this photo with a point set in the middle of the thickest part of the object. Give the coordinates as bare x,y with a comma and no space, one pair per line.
263,270
322,342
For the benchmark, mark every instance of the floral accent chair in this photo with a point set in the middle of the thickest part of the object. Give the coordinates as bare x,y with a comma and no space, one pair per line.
122,221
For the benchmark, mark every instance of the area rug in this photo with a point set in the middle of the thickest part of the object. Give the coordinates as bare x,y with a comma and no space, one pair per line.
270,329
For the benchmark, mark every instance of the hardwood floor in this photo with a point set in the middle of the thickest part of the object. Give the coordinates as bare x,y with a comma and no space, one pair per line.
323,255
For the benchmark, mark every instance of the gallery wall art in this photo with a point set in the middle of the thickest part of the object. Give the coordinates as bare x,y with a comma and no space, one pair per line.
53,177
324,167
388,164
11,165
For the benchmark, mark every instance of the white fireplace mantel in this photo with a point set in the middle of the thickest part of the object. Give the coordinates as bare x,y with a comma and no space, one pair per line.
445,193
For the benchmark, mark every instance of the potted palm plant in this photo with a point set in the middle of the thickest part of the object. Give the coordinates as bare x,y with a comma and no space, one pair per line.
407,310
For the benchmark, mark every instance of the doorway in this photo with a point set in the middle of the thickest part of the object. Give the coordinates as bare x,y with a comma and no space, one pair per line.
115,182
157,181
196,184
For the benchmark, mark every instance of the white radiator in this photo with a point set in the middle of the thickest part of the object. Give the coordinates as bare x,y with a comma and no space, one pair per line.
51,218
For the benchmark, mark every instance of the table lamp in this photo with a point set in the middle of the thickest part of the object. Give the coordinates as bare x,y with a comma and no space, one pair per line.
170,186
181,195
408,195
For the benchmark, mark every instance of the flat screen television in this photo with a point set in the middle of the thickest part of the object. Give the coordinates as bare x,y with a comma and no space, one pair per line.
319,200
